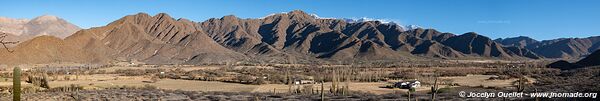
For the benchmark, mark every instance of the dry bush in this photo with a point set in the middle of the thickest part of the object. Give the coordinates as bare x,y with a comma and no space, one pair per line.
138,72
41,81
408,74
69,88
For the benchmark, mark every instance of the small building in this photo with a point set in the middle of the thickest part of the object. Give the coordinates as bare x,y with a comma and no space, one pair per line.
407,84
307,82
303,80
298,82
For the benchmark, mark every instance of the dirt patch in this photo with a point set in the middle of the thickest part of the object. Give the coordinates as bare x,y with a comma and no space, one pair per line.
480,80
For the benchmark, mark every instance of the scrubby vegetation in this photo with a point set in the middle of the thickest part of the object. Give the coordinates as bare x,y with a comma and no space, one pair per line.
337,77
577,80
157,94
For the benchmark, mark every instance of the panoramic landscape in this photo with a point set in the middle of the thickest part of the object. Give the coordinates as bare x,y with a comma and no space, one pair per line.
143,52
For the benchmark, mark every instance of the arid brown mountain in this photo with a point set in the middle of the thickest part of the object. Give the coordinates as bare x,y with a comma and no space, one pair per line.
565,48
285,37
472,43
591,60
24,29
13,26
520,41
298,33
157,39
570,48
46,49
8,37
48,25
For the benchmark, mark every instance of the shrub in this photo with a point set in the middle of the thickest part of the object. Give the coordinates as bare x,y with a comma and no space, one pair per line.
259,81
69,88
445,90
39,81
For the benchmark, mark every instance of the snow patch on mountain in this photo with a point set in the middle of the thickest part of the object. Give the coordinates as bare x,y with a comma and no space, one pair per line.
411,27
384,21
272,14
318,17
366,19
357,20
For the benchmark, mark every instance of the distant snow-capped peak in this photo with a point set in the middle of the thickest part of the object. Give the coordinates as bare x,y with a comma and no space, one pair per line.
357,20
410,27
384,21
365,19
318,17
272,14
313,15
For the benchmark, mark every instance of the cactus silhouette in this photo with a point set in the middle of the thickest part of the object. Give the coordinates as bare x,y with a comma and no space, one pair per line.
17,84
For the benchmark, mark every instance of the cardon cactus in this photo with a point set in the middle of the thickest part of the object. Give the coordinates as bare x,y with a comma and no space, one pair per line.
17,84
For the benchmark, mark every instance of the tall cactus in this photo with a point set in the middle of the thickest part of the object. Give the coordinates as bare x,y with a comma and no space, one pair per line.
408,93
334,82
289,80
17,84
521,84
346,79
434,89
322,91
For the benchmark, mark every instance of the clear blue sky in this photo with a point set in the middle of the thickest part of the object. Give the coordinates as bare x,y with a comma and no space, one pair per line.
539,19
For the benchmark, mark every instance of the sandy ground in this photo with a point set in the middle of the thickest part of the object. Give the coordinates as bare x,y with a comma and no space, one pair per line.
189,85
203,86
480,80
10,84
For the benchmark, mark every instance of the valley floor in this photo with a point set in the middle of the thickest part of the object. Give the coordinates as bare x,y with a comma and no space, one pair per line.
228,83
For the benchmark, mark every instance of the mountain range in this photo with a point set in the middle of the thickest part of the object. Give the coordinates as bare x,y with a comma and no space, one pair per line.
565,48
591,60
25,29
294,36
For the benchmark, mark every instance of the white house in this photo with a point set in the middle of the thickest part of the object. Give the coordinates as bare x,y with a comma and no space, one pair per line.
408,84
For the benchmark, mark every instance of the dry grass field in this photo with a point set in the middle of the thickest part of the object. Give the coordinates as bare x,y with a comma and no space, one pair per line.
367,80
112,80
